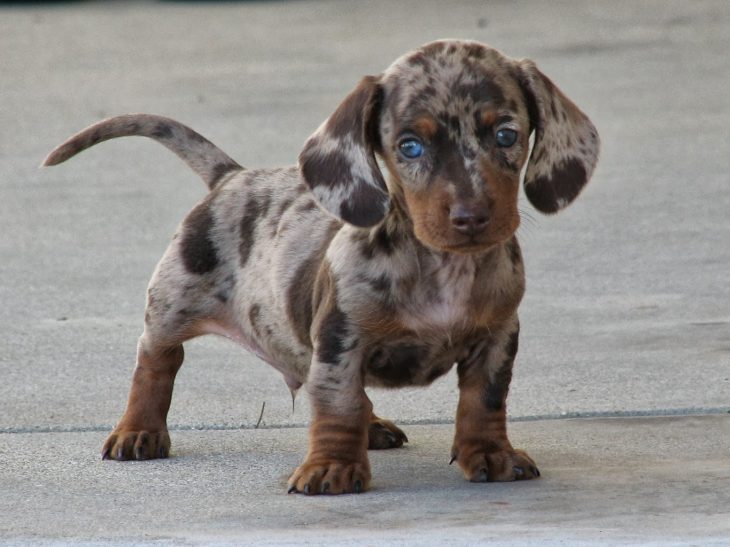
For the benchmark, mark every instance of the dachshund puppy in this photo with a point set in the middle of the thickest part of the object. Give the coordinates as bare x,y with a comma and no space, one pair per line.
384,258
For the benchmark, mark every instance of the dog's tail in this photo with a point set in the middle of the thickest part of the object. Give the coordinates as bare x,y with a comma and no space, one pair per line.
201,155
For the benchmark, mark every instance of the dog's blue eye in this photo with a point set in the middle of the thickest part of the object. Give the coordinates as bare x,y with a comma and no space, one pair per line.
506,137
411,148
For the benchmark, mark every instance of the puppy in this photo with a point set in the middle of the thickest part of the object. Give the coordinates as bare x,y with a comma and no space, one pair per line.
342,278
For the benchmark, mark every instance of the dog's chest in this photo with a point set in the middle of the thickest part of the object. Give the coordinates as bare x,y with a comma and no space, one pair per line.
435,327
441,298
410,361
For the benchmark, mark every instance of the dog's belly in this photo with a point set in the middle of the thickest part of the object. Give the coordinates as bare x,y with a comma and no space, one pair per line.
292,362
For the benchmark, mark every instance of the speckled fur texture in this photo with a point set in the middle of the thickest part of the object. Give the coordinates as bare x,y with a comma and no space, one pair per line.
366,265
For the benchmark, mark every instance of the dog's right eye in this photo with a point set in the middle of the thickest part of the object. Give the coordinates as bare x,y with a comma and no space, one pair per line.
411,148
506,137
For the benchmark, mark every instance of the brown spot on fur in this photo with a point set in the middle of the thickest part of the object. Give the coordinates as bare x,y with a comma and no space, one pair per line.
254,209
397,365
486,90
515,254
219,171
502,188
162,131
550,194
254,318
306,206
475,51
299,302
283,206
426,127
380,284
197,249
333,331
488,117
497,389
353,194
363,206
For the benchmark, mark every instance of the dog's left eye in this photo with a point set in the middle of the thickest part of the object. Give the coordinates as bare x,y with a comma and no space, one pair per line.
506,137
411,148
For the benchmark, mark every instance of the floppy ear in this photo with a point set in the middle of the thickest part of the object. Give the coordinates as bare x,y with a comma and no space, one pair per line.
566,144
338,161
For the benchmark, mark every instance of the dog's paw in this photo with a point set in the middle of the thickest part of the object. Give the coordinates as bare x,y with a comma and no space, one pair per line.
136,445
330,478
385,434
495,465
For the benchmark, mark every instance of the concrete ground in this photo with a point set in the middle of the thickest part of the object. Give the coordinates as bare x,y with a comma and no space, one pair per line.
622,385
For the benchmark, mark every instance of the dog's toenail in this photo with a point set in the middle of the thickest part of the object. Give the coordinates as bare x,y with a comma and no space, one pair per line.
481,476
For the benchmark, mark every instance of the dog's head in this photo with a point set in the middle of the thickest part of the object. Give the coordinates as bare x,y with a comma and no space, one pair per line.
451,121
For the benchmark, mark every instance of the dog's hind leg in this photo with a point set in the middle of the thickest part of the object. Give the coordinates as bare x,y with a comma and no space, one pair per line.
180,305
384,434
142,433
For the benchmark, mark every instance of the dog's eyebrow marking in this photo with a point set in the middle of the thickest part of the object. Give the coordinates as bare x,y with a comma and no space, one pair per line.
197,248
425,126
488,117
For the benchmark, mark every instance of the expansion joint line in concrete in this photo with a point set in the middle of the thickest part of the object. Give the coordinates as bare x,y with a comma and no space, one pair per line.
668,412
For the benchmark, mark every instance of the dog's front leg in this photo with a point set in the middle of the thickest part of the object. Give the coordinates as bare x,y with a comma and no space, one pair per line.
337,460
481,447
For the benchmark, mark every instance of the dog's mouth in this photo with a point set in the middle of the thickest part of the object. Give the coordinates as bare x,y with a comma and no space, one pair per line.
470,247
465,245
470,244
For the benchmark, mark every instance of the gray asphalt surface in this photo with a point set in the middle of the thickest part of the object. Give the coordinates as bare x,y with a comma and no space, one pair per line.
627,311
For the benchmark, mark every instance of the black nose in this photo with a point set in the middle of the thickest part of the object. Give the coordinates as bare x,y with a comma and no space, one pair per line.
468,220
